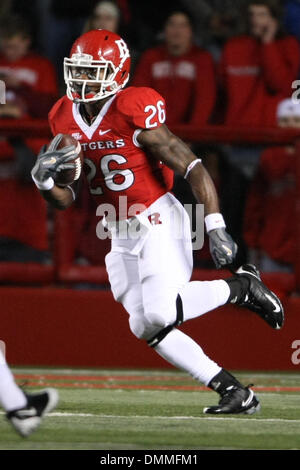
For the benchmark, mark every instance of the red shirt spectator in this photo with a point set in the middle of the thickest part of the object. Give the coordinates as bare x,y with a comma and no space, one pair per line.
32,79
30,91
181,72
271,204
258,69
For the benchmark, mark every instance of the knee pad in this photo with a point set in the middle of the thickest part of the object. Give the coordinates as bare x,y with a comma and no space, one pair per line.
157,320
137,327
141,328
165,312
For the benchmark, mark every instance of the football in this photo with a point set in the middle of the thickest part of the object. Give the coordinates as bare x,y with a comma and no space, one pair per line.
67,177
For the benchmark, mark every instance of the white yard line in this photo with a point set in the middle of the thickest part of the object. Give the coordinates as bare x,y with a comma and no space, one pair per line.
57,414
206,418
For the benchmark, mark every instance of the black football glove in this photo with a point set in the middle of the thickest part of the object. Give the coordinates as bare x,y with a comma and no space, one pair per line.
222,247
51,161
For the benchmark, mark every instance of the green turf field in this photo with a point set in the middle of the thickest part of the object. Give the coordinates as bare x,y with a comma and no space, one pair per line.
161,409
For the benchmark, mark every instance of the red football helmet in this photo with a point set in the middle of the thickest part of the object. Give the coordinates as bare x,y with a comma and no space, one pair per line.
98,67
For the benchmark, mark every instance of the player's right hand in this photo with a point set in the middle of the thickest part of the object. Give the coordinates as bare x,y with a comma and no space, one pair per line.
51,161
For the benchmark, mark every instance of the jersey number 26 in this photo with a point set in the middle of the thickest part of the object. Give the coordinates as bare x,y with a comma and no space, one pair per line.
109,175
155,112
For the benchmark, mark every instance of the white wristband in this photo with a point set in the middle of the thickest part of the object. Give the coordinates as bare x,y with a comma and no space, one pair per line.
44,185
214,221
191,166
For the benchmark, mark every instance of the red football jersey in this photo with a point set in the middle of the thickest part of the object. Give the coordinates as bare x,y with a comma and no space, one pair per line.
114,163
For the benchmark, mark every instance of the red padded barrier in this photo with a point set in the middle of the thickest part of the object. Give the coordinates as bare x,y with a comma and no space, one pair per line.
26,273
64,327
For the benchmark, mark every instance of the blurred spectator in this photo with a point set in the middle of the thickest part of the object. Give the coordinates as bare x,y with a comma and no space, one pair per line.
147,20
257,71
30,91
106,15
115,16
61,22
259,67
215,22
30,79
29,12
271,206
181,72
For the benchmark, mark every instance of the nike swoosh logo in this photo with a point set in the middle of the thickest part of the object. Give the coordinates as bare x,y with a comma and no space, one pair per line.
49,161
27,413
277,307
249,399
229,252
104,132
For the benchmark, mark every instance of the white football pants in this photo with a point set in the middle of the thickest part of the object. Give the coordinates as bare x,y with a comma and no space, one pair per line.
146,273
148,267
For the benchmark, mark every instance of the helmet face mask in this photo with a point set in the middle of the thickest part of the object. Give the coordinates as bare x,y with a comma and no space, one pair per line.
99,75
98,66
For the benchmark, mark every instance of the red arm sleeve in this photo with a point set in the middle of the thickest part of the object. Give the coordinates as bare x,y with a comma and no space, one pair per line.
280,64
205,90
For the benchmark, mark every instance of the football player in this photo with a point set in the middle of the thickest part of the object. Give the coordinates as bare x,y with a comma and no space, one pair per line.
130,153
24,411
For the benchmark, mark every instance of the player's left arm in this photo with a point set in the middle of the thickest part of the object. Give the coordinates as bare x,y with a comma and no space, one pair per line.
174,153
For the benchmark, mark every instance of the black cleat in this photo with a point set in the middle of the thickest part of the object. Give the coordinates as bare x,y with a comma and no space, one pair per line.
26,420
259,298
235,400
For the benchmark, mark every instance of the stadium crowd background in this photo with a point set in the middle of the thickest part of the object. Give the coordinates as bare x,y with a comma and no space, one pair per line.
234,63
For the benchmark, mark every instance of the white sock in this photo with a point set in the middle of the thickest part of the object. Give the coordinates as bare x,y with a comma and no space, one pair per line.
11,396
183,352
199,297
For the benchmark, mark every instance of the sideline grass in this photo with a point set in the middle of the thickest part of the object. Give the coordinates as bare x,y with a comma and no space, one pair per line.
158,419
